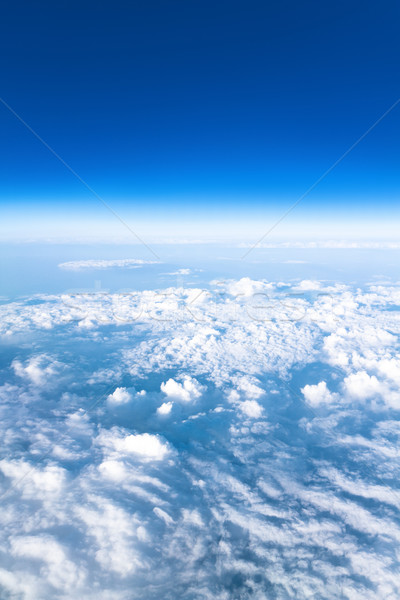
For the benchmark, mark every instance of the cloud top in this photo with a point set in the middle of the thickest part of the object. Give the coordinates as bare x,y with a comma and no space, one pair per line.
267,446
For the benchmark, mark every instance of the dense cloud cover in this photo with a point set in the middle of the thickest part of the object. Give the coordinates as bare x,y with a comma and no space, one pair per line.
230,443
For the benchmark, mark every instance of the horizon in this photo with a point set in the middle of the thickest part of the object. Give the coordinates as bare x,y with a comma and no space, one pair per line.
200,300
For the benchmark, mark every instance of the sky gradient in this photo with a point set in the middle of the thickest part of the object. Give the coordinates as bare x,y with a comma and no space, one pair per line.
199,119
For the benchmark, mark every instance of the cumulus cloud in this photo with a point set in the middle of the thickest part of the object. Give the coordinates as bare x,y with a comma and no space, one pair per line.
165,408
142,445
317,394
362,386
120,396
245,286
187,391
114,470
36,369
249,387
251,408
219,489
308,285
389,368
145,444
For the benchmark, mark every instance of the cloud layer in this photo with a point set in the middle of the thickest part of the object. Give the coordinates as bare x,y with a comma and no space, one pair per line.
235,442
123,263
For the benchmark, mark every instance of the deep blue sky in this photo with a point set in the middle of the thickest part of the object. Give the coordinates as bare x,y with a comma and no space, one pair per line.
239,105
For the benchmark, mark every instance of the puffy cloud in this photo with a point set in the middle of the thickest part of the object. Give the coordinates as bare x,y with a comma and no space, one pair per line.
142,445
251,408
119,396
114,470
165,408
188,390
308,285
145,444
390,368
317,394
36,369
249,387
219,502
362,386
245,287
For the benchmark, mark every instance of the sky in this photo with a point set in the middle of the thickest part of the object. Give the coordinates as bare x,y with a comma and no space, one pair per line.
199,120
200,300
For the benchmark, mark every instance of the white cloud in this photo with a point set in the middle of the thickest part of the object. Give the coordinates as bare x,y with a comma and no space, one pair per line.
308,285
251,408
358,487
187,391
119,396
36,369
390,368
362,386
60,572
136,505
342,244
249,386
35,481
161,514
143,445
245,287
114,470
124,263
317,394
114,533
181,272
165,408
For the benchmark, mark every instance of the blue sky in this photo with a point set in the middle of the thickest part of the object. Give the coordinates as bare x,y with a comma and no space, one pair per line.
178,114
191,420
